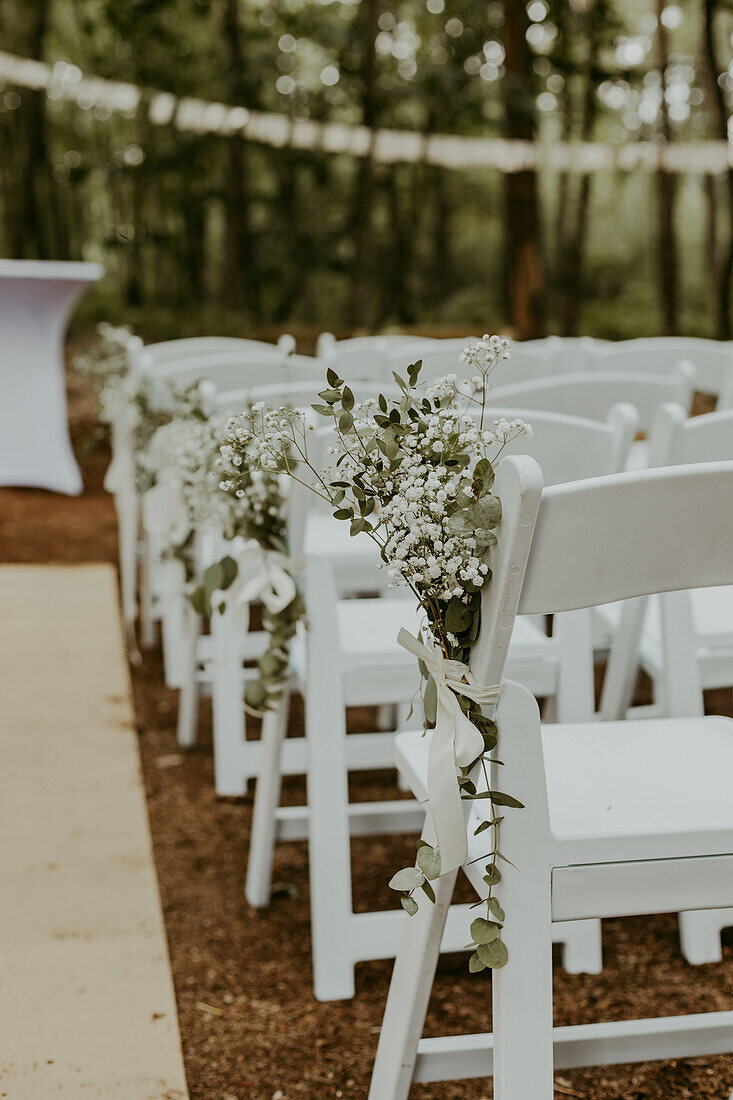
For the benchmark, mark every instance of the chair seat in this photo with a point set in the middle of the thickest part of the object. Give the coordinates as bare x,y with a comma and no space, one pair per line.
649,789
643,778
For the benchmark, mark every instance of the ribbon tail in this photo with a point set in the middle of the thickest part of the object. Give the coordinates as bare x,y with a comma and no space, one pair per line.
444,794
282,590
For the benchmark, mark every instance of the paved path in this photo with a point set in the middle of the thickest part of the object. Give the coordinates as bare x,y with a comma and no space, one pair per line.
86,998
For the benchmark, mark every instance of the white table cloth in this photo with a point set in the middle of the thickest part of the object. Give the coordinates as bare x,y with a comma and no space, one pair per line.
36,297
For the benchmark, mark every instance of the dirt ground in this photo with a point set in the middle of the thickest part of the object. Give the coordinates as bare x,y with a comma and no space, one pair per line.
251,1027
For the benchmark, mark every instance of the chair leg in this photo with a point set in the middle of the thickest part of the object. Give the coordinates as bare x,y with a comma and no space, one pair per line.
329,847
700,934
522,991
582,945
409,994
623,661
127,522
173,624
188,697
386,717
147,625
575,700
267,798
227,701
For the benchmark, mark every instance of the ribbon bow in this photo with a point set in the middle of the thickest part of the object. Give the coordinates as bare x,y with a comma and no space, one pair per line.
164,510
264,575
455,742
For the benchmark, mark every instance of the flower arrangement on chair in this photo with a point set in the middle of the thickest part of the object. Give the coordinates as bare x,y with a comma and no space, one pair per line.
415,474
184,461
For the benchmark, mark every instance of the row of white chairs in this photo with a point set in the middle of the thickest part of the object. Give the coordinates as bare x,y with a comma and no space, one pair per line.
341,937
236,758
377,357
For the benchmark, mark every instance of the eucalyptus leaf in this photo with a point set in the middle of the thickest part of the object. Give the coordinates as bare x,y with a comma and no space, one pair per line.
199,601
213,577
484,931
428,860
407,879
427,889
494,954
499,798
229,571
475,965
496,909
409,905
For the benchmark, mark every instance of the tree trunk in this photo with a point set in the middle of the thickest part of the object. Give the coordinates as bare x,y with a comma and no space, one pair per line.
571,282
35,189
524,275
442,256
666,188
397,299
364,184
720,115
241,283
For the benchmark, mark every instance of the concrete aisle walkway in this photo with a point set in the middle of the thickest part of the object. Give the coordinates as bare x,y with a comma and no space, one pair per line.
86,999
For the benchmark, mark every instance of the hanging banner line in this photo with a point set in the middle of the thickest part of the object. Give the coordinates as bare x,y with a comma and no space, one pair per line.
64,81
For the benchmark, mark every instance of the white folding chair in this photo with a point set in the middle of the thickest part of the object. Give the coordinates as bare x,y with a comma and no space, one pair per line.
442,357
362,356
712,358
195,346
569,353
590,394
351,647
620,818
654,634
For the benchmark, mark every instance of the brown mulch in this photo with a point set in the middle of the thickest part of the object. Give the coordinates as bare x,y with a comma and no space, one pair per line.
251,1027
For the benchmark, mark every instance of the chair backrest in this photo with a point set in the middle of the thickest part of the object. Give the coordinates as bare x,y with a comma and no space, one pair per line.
286,394
725,400
364,356
631,534
660,355
232,370
195,346
681,440
569,353
590,394
568,448
442,357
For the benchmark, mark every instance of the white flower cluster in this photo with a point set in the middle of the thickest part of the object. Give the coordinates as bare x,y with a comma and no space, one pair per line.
182,455
421,547
403,472
484,354
246,467
119,404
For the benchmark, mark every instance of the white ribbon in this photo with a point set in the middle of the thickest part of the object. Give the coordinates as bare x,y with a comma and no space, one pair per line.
455,741
120,473
264,575
165,514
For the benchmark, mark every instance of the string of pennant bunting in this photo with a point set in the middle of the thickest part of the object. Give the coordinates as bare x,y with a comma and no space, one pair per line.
64,81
